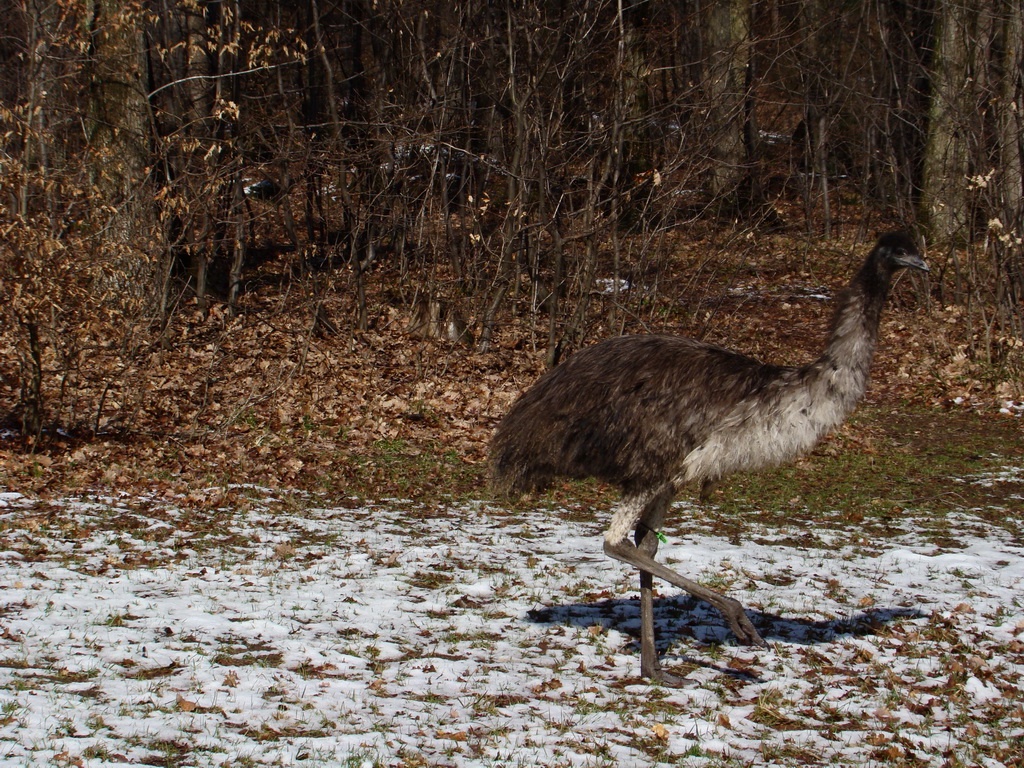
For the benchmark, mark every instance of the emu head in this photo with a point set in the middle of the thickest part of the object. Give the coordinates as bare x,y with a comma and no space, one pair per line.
898,250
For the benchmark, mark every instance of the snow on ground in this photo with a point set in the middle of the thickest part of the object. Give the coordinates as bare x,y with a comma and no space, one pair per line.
249,629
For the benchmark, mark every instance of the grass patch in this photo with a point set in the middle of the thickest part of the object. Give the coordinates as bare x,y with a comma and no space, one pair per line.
395,468
885,464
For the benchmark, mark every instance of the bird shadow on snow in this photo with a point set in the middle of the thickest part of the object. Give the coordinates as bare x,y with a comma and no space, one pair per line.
682,616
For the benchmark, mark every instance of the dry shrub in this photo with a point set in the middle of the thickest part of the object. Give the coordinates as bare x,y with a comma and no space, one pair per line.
72,335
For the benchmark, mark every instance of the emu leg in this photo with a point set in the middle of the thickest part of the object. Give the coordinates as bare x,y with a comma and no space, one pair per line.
646,538
731,609
650,665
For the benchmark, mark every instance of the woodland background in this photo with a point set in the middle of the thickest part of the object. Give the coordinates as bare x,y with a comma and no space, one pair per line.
291,235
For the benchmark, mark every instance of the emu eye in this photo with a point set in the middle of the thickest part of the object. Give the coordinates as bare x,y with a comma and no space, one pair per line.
901,251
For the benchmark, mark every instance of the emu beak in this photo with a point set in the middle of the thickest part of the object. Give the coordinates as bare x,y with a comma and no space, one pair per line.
913,261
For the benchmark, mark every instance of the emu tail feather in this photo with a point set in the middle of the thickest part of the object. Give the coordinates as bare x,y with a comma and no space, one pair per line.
514,471
520,457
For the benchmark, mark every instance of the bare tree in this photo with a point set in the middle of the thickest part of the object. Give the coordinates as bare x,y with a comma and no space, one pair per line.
728,40
118,135
947,156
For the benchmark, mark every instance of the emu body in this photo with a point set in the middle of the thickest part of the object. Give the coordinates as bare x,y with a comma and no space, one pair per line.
653,413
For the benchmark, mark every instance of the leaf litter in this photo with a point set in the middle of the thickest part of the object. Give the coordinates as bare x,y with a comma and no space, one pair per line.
244,626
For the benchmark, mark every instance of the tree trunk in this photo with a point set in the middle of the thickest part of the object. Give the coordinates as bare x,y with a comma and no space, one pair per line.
1010,135
117,132
728,47
1010,115
944,199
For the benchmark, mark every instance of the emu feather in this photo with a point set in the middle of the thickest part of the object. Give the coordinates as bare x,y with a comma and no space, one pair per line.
653,413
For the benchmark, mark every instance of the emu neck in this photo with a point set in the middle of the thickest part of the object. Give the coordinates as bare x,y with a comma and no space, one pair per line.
845,365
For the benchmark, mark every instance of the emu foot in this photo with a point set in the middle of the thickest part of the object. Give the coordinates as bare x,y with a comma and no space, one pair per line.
740,624
667,679
730,608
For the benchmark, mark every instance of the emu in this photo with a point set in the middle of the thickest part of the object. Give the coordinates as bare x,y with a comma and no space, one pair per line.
652,413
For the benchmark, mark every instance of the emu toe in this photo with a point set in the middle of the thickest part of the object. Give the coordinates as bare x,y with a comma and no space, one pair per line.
741,626
667,679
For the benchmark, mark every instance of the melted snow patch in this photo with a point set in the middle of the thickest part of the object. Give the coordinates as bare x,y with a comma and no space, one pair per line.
1004,475
389,634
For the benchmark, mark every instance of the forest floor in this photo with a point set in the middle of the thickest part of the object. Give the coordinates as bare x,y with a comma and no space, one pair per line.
291,557
262,396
